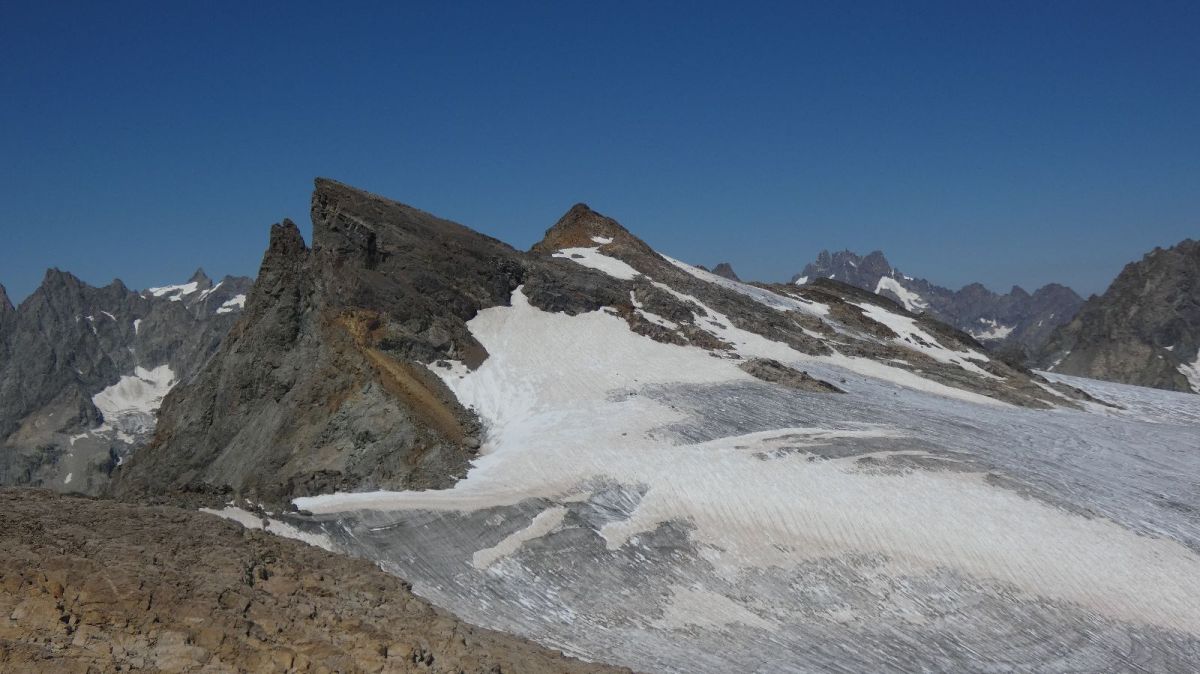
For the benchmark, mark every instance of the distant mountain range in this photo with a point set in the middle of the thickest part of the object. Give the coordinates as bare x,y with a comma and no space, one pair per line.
1016,321
1145,329
83,369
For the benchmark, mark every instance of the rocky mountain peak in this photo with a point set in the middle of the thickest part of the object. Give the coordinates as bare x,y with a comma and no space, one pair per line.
285,243
55,279
725,269
6,305
201,279
1144,329
848,266
581,227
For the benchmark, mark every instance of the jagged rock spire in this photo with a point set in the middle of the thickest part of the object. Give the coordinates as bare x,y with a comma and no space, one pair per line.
725,269
200,278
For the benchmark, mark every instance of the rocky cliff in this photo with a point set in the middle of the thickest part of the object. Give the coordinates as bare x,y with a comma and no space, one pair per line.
1016,322
1145,329
82,370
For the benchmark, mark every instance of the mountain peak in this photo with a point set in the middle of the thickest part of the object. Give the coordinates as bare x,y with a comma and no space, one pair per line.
846,265
200,278
1144,329
725,269
6,304
582,227
56,278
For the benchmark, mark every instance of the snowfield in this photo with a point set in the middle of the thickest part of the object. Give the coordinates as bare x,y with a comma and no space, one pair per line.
235,303
174,293
655,506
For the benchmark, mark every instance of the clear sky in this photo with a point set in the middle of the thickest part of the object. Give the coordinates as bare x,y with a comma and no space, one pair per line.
1004,142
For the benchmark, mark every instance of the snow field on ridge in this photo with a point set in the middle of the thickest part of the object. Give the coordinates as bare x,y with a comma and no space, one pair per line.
559,396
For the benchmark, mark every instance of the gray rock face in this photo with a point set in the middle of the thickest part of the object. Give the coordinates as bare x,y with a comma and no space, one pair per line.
1017,322
1144,330
81,369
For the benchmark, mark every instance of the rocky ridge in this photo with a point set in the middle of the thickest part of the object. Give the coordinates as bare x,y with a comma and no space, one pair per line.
1144,329
1017,322
325,383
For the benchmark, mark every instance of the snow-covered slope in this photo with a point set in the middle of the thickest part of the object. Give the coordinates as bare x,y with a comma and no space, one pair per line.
650,504
646,501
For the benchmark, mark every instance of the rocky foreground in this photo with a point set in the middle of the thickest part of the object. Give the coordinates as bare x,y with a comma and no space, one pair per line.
98,586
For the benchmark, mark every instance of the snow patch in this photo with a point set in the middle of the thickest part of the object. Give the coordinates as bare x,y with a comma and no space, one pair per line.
602,240
802,280
1192,372
593,259
545,522
698,607
760,295
236,303
129,405
210,291
913,337
174,293
995,330
911,300
253,521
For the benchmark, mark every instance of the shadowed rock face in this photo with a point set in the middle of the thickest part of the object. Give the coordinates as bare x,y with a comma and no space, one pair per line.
315,389
68,342
1145,329
1016,322
163,589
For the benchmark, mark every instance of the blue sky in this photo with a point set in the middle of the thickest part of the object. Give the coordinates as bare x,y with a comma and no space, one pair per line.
1004,142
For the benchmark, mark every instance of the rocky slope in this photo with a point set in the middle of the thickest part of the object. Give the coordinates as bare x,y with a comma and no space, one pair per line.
329,381
1144,330
163,589
1017,321
82,370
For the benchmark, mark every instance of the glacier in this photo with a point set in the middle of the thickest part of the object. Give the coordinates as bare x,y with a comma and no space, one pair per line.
652,505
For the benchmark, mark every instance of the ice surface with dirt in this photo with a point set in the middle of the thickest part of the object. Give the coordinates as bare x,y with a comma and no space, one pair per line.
655,506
